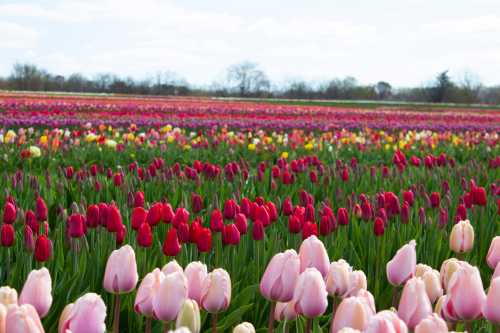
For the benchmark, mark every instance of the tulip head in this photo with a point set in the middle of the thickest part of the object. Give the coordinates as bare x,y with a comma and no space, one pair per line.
121,271
462,237
402,267
189,316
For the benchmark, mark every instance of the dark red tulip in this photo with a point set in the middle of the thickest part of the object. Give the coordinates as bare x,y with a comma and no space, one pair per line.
113,219
93,170
167,213
310,214
309,229
29,240
43,248
171,246
287,207
196,203
216,221
69,172
366,210
103,213
7,235
229,209
31,221
294,225
272,211
194,228
240,221
408,197
382,214
138,217
435,199
262,215
139,199
9,213
479,196
144,235
230,235
378,227
154,214
118,179
120,235
345,174
183,232
258,230
405,212
468,200
342,216
93,216
325,225
76,225
313,176
461,213
181,216
204,240
41,210
443,217
245,207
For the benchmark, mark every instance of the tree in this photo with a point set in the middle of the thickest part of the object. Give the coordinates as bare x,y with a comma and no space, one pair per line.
248,79
383,89
442,89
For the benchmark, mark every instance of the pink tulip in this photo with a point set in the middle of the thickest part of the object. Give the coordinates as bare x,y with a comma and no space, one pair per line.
170,296
312,253
432,324
462,237
357,282
353,312
172,267
86,315
432,285
280,277
37,291
414,304
496,273
22,319
147,289
216,291
402,266
121,271
493,257
338,278
465,295
196,273
285,311
310,296
448,268
491,308
3,317
386,321
349,330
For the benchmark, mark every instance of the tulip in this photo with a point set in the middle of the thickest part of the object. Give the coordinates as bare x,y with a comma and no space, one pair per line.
294,225
384,322
493,257
378,227
414,304
170,296
312,253
353,312
7,235
196,203
171,246
462,237
86,315
287,207
357,282
22,319
258,230
147,289
204,240
435,199
241,223
244,328
431,278
172,267
41,210
496,273
138,217
432,324
285,311
43,248
113,219
9,213
8,296
479,196
189,316
196,273
338,278
230,235
37,291
216,221
76,226
491,307
139,199
216,291
448,268
309,229
310,296
465,295
92,216
145,236
167,213
279,279
342,216
349,330
402,266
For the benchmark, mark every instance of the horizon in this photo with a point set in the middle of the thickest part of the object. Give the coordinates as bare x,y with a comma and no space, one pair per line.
199,40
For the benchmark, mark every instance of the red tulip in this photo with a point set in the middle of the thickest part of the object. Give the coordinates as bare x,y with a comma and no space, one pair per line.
325,225
113,219
76,225
69,172
272,211
229,209
204,240
138,217
230,235
118,179
41,210
435,199
345,174
241,223
342,216
93,216
29,241
103,214
196,203
120,235
479,196
258,230
154,214
378,227
9,213
366,210
30,220
309,229
181,216
287,207
294,225
43,248
93,170
245,207
216,221
171,246
139,199
7,235
263,215
144,235
408,197
167,213
183,232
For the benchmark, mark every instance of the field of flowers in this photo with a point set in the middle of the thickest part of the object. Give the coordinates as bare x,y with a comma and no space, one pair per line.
198,215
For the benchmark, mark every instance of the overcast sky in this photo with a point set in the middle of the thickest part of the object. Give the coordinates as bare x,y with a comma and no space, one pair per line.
405,42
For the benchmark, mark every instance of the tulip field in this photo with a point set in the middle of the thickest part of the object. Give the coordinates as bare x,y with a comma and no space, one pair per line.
134,214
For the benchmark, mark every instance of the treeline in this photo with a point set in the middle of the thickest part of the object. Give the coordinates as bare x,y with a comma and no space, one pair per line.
248,80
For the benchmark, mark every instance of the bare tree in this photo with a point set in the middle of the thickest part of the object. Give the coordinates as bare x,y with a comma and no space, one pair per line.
383,89
248,79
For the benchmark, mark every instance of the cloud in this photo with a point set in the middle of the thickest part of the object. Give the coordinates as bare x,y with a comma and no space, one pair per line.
16,36
466,25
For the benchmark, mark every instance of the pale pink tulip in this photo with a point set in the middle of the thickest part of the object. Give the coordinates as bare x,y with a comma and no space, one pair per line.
402,267
432,285
3,317
465,296
462,237
280,277
349,330
369,300
86,315
244,328
310,296
121,271
196,273
172,267
312,253
414,304
386,322
285,311
432,324
448,268
37,291
357,282
216,291
338,278
496,273
353,312
421,269
491,308
170,296
8,296
147,289
493,257
22,319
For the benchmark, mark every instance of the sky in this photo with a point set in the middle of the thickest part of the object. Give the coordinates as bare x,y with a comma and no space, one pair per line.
404,42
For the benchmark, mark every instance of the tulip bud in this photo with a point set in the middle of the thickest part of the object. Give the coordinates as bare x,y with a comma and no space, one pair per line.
493,257
310,296
280,277
8,296
285,311
138,217
41,210
145,236
386,321
43,248
342,216
448,268
9,213
258,230
189,316
37,291
195,273
244,328
338,278
216,291
21,319
154,214
171,246
92,216
204,240
147,289
491,307
462,237
170,296
402,266
121,271
312,253
414,304
353,312
7,235
139,199
216,221
87,314
432,324
432,285
357,282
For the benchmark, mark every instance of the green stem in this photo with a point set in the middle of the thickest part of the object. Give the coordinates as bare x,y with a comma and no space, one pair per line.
271,317
214,322
116,317
308,325
148,325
